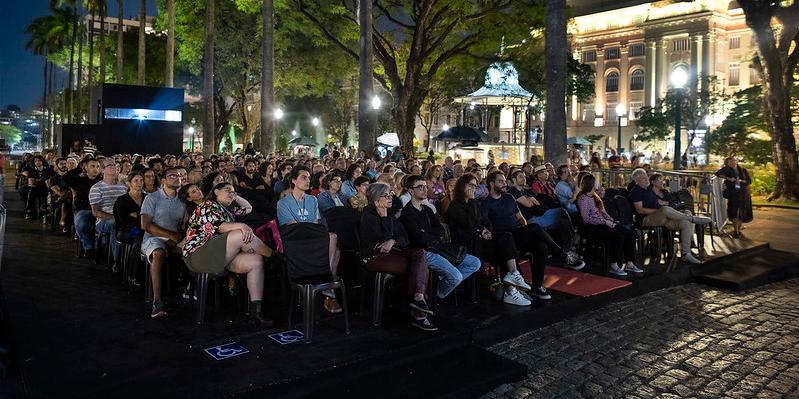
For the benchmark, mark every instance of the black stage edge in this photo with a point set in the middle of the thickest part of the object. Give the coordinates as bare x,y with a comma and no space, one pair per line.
77,333
749,270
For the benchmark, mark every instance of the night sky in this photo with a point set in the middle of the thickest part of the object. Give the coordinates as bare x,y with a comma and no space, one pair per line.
21,71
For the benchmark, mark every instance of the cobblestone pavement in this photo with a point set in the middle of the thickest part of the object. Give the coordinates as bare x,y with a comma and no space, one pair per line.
686,341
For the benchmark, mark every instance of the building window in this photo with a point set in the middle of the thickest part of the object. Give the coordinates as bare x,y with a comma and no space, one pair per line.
637,50
610,112
635,107
588,113
734,74
612,53
589,56
735,42
681,44
612,82
637,80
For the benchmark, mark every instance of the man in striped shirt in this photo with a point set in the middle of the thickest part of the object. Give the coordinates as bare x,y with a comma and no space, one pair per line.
102,197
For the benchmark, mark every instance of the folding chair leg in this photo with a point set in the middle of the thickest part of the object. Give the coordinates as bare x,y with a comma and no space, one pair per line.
377,303
343,290
308,311
202,294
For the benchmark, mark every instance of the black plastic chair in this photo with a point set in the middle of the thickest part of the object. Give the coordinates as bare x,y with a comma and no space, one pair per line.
587,242
344,221
628,217
305,246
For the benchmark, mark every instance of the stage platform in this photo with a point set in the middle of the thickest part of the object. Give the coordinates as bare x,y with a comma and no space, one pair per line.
77,333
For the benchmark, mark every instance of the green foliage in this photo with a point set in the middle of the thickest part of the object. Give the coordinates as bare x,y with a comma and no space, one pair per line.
764,179
11,134
741,132
593,138
657,122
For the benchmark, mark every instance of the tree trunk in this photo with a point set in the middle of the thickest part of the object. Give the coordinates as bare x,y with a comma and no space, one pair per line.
140,80
170,44
366,115
102,45
404,114
209,130
120,49
70,111
267,78
778,66
90,73
44,126
556,48
79,106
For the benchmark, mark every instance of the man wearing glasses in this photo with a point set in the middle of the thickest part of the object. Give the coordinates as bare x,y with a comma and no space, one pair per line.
162,216
425,230
102,197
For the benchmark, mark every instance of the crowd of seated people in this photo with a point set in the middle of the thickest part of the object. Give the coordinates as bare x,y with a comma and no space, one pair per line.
418,218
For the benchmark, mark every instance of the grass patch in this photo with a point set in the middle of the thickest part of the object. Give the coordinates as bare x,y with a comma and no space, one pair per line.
761,200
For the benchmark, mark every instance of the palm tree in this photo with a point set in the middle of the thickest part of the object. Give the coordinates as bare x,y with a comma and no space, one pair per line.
94,7
39,44
142,16
209,127
120,50
169,81
103,10
267,77
81,32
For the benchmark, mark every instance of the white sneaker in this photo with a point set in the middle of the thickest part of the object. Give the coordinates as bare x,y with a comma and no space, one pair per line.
615,269
690,259
514,297
700,220
631,267
515,279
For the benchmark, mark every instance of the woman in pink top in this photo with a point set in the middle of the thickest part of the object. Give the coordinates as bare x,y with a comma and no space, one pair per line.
597,224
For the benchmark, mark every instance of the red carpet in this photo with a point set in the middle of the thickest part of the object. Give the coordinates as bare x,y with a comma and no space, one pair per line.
574,282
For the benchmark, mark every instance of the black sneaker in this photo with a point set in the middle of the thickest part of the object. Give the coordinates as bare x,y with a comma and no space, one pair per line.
424,324
420,306
542,293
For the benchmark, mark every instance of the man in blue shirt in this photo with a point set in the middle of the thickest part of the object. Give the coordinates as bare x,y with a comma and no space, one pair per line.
655,214
501,209
299,207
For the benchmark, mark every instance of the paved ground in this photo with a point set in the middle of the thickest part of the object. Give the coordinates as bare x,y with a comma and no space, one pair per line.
687,341
775,225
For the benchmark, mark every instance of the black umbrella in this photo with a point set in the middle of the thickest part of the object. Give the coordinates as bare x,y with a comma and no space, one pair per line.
463,133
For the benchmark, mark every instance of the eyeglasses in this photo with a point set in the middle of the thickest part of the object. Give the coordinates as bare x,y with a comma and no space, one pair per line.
387,195
422,187
176,176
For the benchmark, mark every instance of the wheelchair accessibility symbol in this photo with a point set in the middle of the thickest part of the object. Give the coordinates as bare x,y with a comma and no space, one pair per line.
287,337
226,351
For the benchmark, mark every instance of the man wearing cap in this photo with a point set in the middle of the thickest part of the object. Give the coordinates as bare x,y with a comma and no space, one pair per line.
541,206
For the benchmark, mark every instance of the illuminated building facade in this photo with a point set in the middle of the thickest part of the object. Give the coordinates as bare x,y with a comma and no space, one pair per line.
634,46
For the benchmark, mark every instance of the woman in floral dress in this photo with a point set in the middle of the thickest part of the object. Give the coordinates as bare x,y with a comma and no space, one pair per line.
215,242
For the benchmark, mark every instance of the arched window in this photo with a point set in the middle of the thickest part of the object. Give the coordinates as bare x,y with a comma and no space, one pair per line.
637,80
612,82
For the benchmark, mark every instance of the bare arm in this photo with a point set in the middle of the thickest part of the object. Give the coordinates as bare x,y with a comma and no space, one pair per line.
639,207
244,204
98,212
521,219
152,228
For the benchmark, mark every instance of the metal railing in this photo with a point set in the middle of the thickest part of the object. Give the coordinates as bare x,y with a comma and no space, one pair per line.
704,187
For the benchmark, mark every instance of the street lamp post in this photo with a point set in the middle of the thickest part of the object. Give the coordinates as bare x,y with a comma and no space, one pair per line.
679,77
620,115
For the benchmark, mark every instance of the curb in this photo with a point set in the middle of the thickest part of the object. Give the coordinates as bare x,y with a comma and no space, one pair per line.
795,208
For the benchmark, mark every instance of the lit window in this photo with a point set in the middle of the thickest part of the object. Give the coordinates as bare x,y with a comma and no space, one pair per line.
734,74
612,53
735,42
612,82
637,50
589,56
681,44
637,80
143,114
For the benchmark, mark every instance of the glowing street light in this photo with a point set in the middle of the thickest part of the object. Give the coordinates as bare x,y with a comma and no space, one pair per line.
315,121
445,127
294,133
376,103
620,114
679,77
278,113
191,130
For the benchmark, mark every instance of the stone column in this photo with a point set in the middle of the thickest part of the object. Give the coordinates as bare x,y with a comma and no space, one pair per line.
650,96
696,62
709,54
599,81
624,77
662,68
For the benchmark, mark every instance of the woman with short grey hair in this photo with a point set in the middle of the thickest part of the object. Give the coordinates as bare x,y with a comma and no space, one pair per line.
385,247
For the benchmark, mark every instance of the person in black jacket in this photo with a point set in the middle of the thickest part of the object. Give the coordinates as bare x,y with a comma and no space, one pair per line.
80,181
425,231
127,210
467,226
385,247
736,191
